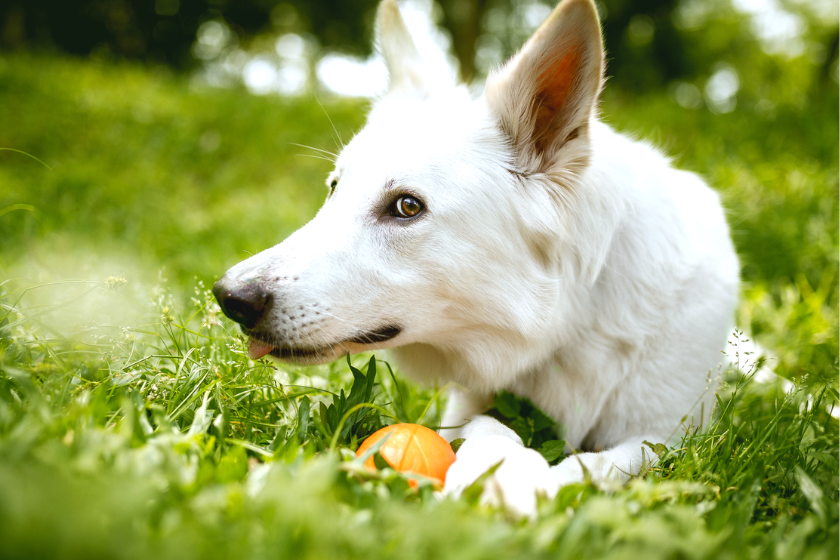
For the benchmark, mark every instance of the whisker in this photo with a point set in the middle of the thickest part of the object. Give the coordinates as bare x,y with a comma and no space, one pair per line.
324,342
340,141
336,317
314,148
316,157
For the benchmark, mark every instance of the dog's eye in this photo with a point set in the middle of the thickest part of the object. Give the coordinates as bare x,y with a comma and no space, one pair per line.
406,207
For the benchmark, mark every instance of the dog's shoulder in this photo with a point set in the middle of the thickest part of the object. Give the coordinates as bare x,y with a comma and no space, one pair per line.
639,171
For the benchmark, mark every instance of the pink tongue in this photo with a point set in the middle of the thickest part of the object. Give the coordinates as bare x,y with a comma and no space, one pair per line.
258,349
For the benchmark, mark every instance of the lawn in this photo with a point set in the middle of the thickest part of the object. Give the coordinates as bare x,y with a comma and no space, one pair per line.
133,425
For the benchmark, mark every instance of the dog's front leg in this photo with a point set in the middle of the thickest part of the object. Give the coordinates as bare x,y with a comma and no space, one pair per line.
461,406
617,464
522,473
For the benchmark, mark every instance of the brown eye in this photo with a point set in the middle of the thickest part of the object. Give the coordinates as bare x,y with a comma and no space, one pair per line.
407,207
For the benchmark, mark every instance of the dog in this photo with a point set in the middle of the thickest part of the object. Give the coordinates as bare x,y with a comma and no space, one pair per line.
509,242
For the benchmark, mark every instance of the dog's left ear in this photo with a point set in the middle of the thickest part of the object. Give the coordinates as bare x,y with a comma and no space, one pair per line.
546,95
408,71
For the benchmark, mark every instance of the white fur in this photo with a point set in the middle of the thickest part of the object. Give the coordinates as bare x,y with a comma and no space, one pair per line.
581,271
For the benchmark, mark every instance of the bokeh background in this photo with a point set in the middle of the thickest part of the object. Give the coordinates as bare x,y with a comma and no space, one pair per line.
706,50
172,126
146,146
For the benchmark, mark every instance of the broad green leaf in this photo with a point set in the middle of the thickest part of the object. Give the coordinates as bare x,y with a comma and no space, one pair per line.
455,444
472,493
380,461
324,413
303,418
507,404
552,450
812,493
659,448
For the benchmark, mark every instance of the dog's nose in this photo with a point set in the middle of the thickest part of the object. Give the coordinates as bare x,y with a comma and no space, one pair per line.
244,304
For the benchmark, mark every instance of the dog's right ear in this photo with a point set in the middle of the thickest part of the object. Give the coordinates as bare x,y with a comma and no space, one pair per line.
408,72
547,94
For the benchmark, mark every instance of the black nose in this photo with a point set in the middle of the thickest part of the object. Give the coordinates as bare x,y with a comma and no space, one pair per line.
245,304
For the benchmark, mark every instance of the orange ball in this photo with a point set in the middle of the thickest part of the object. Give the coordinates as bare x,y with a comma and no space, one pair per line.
412,448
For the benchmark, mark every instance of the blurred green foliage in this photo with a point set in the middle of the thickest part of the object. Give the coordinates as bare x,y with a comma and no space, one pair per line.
195,180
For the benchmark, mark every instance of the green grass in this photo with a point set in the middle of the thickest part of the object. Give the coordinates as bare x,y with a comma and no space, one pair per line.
132,425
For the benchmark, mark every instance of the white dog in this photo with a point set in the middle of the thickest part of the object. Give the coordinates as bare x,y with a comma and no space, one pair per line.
509,242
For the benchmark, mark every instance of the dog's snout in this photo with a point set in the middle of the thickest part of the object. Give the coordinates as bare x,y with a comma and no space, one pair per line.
245,304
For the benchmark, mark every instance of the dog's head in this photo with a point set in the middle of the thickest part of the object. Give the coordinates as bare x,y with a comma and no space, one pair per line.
448,227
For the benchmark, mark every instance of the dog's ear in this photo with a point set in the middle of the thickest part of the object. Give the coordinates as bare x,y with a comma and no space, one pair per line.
408,72
546,95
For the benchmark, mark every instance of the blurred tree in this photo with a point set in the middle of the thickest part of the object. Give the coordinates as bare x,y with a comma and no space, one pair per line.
164,30
638,34
644,47
649,42
463,18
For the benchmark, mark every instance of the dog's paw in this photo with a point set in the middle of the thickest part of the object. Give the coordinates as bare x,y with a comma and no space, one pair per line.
597,467
569,471
522,475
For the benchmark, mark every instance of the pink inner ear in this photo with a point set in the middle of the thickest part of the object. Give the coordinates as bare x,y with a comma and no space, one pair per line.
555,88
